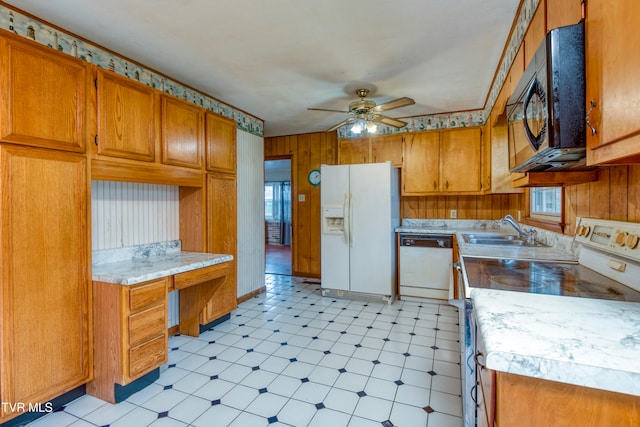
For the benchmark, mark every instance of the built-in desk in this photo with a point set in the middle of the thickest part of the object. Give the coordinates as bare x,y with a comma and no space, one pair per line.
130,288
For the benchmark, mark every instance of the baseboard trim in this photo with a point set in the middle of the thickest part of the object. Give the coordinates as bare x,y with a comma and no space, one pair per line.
252,294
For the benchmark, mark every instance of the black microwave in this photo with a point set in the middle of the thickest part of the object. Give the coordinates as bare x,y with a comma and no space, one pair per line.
546,111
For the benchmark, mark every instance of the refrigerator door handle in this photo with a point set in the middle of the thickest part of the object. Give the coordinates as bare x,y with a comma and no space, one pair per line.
345,228
350,219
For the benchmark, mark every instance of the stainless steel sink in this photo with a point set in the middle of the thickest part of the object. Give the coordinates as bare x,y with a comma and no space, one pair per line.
510,242
492,236
496,239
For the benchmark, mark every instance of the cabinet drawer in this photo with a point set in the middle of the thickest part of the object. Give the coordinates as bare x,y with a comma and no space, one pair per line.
147,356
147,324
200,275
147,294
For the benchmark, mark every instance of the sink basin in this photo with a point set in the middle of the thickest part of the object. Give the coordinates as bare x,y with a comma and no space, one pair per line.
492,236
510,242
496,239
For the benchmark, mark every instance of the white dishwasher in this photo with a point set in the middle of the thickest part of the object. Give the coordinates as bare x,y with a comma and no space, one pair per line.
425,265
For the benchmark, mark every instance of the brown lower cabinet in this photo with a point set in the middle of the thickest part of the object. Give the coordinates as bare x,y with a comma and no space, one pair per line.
222,235
130,329
507,400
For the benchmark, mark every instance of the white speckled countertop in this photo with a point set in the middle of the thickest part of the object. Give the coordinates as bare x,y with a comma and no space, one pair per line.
556,246
136,264
581,341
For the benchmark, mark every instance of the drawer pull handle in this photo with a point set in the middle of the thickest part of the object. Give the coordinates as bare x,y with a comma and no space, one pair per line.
476,357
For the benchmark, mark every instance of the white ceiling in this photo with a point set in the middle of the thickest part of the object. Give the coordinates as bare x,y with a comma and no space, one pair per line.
273,59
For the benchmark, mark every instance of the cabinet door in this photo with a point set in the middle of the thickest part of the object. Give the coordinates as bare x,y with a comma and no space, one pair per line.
353,151
534,35
221,239
461,160
127,118
46,346
611,70
220,143
182,133
563,12
420,164
387,148
44,97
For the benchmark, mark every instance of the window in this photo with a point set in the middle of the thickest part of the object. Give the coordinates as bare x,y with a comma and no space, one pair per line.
277,201
268,201
546,203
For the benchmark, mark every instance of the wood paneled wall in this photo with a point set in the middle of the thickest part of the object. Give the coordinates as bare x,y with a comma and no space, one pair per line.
493,206
307,152
615,196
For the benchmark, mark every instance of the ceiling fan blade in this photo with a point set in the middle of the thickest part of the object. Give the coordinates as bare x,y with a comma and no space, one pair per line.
389,121
396,103
342,123
325,109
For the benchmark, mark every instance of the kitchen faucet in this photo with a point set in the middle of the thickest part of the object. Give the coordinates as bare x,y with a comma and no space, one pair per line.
529,236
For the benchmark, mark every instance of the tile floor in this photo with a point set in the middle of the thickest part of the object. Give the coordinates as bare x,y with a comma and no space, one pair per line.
290,357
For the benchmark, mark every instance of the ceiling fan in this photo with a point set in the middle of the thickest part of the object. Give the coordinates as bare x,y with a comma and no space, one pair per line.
364,112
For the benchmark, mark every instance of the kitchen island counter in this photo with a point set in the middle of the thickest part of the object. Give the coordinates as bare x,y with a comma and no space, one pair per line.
580,341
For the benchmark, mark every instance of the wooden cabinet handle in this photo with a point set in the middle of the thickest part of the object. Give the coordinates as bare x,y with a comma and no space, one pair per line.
446,185
435,185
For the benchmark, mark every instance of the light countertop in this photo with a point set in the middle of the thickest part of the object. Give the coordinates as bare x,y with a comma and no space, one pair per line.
556,247
581,341
131,265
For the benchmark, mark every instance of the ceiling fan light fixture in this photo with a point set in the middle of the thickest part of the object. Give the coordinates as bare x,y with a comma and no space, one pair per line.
365,113
371,127
358,127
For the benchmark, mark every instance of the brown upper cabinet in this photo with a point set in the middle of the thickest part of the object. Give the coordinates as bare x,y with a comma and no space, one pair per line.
460,160
220,137
534,35
420,170
374,149
353,151
45,93
127,118
182,133
442,162
612,70
563,12
387,148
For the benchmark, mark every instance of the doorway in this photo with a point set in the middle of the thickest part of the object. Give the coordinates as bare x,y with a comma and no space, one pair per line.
277,216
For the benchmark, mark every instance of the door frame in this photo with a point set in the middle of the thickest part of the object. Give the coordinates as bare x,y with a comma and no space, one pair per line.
294,206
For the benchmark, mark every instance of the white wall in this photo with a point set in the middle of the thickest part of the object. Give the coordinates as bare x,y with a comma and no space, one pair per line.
129,213
250,160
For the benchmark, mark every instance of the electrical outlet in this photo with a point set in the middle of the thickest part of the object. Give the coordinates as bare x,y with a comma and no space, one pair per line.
301,197
453,214
518,216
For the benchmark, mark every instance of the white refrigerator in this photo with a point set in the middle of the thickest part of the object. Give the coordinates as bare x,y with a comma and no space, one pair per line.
360,211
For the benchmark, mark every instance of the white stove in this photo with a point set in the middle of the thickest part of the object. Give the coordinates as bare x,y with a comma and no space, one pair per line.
612,248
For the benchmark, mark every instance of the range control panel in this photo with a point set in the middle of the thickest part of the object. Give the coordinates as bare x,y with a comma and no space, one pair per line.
620,238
